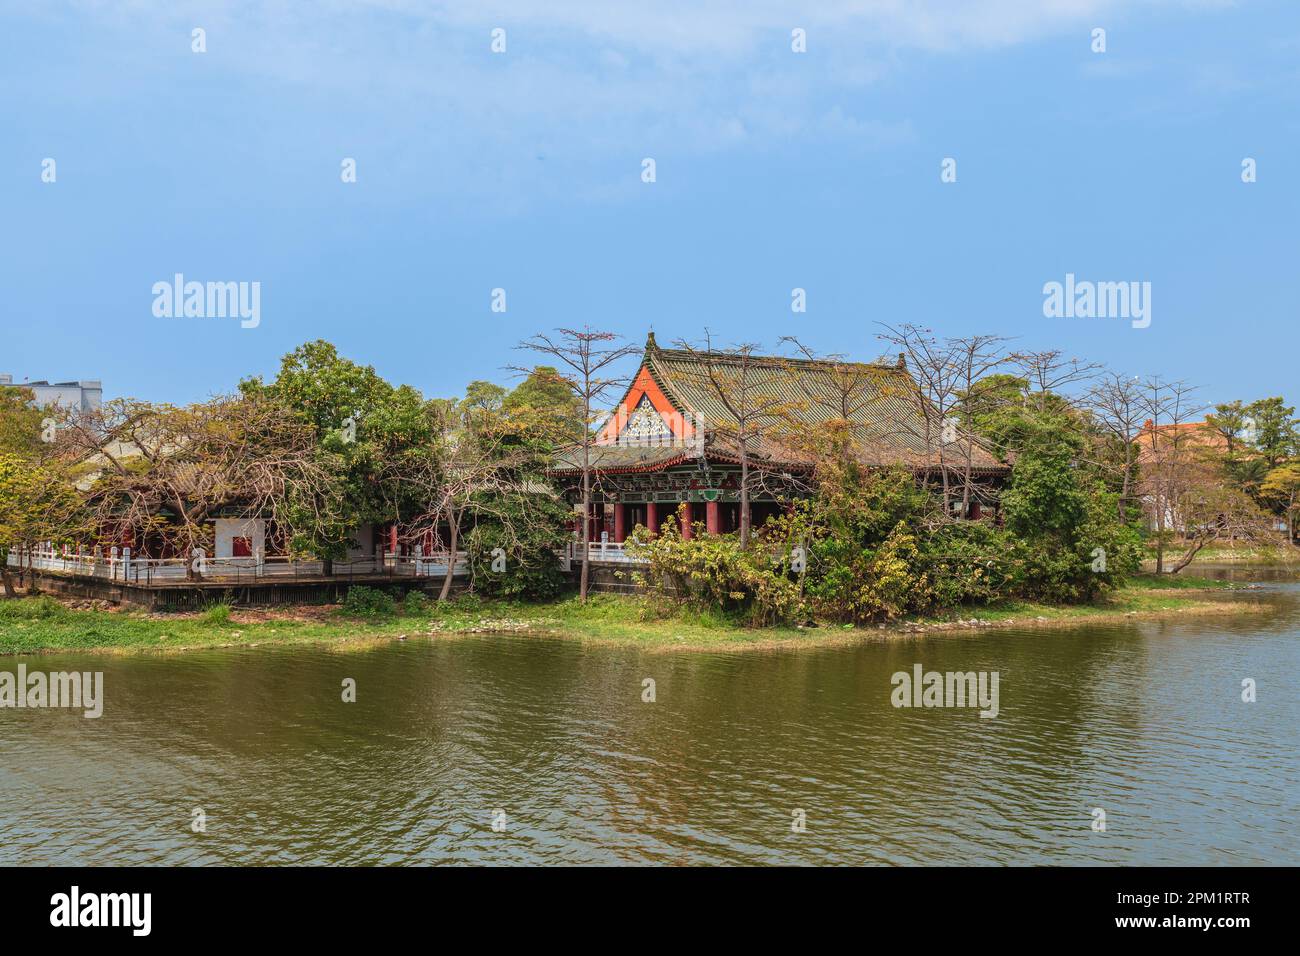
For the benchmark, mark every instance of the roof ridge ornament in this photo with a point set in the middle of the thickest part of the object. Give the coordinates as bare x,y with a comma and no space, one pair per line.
650,344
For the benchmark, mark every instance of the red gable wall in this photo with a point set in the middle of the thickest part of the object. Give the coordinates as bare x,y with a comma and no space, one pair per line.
644,384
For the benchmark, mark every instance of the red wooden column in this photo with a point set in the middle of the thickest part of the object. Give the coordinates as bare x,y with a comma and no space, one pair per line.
712,518
688,531
620,521
392,538
652,517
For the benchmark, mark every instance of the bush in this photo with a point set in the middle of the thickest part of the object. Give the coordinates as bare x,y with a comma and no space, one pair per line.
1065,524
713,573
523,566
415,602
467,603
864,557
362,601
861,582
970,562
216,615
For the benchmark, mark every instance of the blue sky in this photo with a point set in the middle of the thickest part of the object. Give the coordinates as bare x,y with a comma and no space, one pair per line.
522,171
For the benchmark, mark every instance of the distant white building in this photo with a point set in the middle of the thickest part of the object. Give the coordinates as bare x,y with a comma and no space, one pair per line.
85,395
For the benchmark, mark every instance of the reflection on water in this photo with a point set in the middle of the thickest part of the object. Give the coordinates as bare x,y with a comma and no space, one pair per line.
1144,720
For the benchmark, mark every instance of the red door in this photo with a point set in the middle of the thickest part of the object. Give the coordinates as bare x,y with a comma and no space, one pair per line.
243,547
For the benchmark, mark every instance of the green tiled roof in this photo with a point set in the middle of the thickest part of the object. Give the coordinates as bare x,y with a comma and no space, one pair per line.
882,403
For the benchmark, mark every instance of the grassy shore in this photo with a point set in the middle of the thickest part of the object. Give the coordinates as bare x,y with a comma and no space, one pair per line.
1246,554
42,624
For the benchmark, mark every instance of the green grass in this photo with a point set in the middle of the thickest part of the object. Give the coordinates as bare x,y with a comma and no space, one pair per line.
36,624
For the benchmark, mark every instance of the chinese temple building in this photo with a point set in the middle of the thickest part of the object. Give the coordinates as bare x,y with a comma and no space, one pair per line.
671,440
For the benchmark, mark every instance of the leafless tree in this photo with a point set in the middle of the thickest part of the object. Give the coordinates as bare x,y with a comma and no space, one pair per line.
850,388
938,382
976,357
1207,507
245,456
845,393
1117,407
584,358
753,394
471,471
1166,454
1049,372
950,377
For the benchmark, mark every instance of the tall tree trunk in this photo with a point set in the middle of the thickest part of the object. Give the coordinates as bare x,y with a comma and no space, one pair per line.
1123,491
1160,531
968,463
8,581
583,575
744,499
454,524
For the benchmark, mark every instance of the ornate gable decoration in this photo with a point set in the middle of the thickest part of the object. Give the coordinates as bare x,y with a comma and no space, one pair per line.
644,424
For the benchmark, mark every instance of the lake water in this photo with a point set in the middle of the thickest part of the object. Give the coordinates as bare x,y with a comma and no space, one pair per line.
1144,721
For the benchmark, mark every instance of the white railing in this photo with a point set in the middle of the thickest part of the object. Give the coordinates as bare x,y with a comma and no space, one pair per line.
614,552
609,551
121,566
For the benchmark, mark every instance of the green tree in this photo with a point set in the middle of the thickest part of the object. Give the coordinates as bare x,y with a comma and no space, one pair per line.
1062,520
361,423
1230,420
512,547
1281,487
999,412
37,503
546,409
1275,429
20,423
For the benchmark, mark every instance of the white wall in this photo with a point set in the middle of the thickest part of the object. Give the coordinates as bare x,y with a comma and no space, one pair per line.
228,529
86,395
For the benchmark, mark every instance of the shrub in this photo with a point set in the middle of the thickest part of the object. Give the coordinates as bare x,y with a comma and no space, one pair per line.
970,562
415,602
528,539
1065,525
216,615
713,573
362,601
467,603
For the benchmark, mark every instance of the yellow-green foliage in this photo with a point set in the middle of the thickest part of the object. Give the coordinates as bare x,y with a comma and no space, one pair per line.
890,587
714,572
